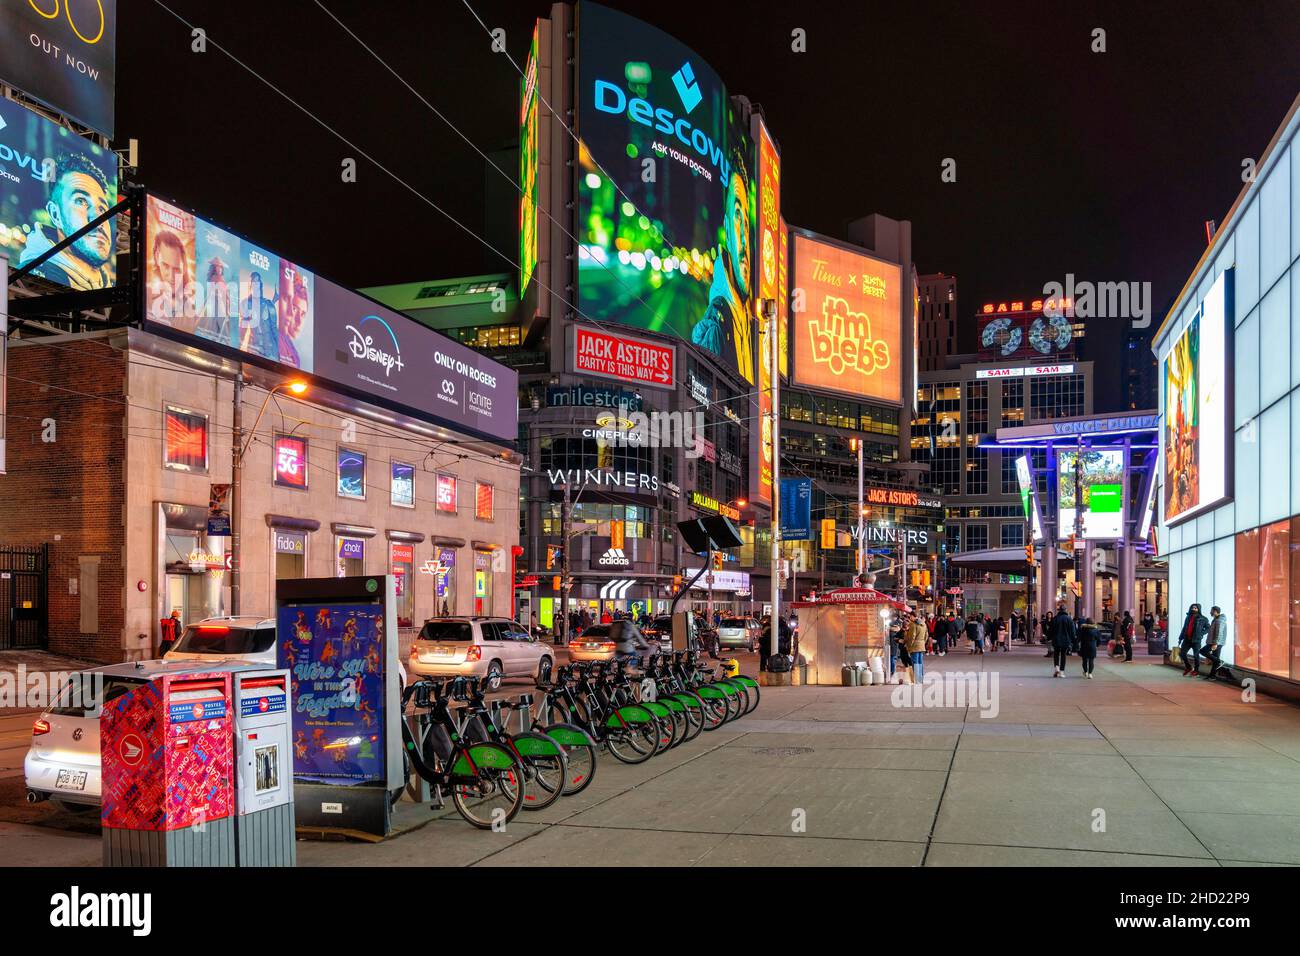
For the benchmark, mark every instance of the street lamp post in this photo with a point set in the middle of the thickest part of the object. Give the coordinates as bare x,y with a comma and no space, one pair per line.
239,448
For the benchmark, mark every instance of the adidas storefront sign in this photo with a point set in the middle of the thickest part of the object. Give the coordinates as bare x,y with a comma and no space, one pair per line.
614,558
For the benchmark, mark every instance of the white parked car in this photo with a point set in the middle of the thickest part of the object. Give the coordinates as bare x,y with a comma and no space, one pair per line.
62,763
492,648
247,638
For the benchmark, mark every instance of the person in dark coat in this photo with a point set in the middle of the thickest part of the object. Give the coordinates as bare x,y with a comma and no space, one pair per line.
1126,628
1089,634
1064,637
1195,627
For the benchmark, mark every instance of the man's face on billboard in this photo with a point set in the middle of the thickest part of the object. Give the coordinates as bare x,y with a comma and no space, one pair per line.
79,199
738,232
169,264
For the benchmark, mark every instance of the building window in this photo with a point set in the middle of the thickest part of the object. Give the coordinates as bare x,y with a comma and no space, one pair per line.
1013,536
1056,396
1267,586
291,462
977,537
1010,480
977,471
401,560
977,408
482,582
402,484
185,440
483,501
351,557
1013,403
351,474
446,500
945,471
290,554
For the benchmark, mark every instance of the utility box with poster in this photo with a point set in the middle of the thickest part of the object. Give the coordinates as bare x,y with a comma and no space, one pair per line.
264,818
337,637
167,758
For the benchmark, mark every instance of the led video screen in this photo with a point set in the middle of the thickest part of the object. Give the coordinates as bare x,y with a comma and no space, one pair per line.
1102,477
666,200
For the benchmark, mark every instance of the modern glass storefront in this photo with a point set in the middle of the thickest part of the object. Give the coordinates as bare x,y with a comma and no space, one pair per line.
1236,495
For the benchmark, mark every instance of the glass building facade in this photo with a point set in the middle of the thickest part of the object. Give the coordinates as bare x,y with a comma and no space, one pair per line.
1244,554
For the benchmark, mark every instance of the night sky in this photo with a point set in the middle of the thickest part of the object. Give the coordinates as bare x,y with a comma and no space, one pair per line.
1101,164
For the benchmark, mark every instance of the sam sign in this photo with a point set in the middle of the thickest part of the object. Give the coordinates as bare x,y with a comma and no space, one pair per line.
624,358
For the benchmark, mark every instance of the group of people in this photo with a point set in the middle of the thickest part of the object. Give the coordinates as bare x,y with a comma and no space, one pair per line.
1081,635
914,634
1203,637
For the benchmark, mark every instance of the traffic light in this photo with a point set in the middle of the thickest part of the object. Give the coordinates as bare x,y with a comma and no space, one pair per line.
677,580
828,532
1029,554
556,584
550,558
718,558
925,578
916,579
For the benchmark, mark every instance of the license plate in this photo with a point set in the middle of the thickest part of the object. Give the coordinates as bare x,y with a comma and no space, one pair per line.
444,652
592,647
71,780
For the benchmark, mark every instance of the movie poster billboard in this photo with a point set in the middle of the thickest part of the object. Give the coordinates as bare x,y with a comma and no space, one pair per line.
334,652
665,191
1102,477
63,53
1194,431
53,182
210,283
846,321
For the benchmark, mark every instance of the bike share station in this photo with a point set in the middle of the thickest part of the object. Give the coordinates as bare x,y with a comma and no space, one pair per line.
844,635
195,769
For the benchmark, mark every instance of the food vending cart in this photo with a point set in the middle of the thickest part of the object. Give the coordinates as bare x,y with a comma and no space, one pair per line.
844,626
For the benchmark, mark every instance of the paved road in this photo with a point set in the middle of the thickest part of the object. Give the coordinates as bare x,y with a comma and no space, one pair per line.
1138,766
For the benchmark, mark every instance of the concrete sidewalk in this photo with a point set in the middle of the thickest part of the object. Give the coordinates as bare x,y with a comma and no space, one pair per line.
1139,766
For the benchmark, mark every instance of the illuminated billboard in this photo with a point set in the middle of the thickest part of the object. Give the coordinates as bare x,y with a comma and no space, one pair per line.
1028,329
665,191
1194,449
63,54
528,159
1028,498
54,183
767,274
1101,472
212,288
846,322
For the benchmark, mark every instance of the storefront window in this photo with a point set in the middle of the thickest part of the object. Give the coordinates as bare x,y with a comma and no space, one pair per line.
444,587
1267,587
351,474
290,555
351,557
403,485
402,563
185,440
196,575
482,582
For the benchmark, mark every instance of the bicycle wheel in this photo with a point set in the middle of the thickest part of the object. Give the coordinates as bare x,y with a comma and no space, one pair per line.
545,769
694,711
494,792
677,711
739,695
668,728
579,755
716,711
752,688
560,714
632,734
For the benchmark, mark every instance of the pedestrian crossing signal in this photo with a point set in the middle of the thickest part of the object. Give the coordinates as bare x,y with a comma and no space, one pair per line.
555,583
828,532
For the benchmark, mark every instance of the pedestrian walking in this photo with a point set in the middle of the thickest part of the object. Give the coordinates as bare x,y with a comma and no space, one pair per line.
975,634
1193,632
1126,635
1148,625
1064,636
1216,640
1088,635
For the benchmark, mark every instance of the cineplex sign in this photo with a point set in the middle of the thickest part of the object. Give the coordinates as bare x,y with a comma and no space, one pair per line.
623,357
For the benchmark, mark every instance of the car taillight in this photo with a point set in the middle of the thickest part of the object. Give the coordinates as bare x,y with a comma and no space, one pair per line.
606,645
415,651
475,653
41,726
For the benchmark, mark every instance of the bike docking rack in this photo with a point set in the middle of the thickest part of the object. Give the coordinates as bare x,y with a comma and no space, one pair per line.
493,758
